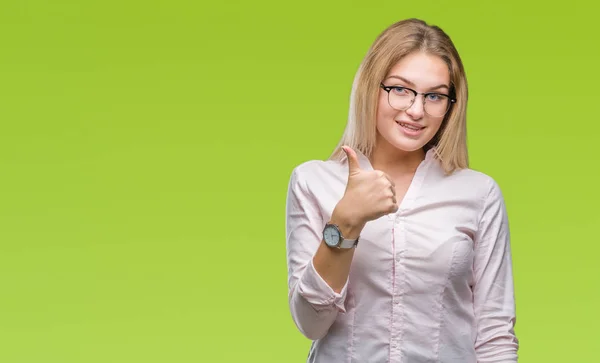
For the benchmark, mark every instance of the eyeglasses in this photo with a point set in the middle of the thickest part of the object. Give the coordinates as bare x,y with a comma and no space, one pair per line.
402,98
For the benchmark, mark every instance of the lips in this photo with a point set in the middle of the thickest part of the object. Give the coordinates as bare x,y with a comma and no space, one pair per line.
410,126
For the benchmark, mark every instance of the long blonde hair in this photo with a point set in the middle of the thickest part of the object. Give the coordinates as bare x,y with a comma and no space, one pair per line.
395,42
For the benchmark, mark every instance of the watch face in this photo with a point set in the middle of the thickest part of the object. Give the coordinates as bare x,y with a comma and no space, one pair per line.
331,235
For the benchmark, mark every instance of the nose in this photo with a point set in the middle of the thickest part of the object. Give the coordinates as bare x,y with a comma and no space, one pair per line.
417,109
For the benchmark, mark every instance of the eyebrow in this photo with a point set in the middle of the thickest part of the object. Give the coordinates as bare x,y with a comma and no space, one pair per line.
413,85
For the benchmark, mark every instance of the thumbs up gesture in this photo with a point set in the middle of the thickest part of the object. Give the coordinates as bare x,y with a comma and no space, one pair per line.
369,195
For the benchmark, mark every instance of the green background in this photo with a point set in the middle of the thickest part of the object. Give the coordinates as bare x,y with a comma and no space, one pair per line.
146,146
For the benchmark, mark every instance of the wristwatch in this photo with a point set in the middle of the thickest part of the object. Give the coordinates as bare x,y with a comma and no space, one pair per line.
334,239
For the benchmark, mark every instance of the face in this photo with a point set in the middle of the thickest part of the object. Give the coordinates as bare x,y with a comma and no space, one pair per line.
411,129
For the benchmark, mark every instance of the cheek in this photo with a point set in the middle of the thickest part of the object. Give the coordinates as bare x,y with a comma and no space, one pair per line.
434,125
385,113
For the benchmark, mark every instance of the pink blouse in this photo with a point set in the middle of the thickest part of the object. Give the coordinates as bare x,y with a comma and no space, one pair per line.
430,283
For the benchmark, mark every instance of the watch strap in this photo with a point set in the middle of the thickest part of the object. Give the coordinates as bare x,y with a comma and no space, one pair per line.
348,243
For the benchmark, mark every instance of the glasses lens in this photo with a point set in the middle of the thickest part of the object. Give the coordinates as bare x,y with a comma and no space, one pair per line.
437,105
400,98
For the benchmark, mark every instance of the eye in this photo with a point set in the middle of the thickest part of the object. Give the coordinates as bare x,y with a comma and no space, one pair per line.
400,91
434,97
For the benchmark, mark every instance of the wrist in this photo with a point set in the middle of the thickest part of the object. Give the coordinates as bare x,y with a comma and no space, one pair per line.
349,227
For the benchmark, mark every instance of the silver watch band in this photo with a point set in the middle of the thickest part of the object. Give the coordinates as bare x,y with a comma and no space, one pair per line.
348,243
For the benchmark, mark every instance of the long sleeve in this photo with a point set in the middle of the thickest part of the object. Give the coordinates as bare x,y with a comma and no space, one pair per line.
313,303
494,302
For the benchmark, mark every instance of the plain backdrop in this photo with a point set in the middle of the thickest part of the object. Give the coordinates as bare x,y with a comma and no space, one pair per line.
146,147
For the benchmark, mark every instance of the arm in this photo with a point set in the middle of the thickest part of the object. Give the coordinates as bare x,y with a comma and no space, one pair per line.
317,274
494,302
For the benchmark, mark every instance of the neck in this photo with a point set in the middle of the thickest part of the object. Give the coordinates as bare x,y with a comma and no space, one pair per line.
394,162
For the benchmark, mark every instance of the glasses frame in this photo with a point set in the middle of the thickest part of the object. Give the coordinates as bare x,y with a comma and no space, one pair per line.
388,89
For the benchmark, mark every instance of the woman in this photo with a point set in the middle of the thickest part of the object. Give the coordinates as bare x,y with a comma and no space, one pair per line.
396,250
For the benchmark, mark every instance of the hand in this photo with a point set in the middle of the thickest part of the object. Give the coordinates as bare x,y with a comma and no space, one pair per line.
368,196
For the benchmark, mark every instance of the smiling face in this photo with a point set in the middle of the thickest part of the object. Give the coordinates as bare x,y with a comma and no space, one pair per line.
412,128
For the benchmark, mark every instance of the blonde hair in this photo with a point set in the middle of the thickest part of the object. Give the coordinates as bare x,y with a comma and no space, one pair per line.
395,42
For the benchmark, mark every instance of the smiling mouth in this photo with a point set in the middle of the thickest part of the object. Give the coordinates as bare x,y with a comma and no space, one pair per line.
410,127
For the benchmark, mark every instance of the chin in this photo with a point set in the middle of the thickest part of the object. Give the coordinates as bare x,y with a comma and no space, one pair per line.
409,144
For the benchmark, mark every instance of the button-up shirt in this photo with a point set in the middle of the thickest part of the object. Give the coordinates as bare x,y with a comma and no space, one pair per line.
430,283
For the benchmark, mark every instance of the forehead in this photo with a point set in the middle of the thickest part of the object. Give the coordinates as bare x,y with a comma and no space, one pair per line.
422,69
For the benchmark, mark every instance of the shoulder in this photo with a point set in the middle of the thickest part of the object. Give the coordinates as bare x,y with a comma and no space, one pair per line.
483,187
466,184
308,166
475,179
311,171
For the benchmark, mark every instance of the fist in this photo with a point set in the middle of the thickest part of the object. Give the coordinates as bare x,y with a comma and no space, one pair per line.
369,194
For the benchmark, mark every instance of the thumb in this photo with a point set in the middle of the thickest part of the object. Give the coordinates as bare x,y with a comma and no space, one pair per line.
353,165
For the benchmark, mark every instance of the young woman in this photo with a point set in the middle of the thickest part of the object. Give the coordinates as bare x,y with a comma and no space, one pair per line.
396,250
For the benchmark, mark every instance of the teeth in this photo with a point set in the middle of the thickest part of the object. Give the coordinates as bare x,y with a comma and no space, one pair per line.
410,127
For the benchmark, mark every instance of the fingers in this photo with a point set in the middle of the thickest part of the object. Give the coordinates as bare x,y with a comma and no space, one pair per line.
388,187
353,164
383,175
393,185
386,181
